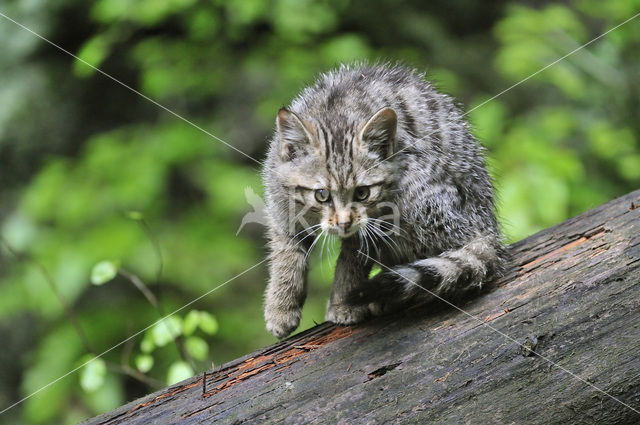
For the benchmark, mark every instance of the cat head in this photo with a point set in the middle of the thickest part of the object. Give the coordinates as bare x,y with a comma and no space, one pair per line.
337,173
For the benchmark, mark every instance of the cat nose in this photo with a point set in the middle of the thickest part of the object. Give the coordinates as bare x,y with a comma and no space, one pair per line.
344,225
344,219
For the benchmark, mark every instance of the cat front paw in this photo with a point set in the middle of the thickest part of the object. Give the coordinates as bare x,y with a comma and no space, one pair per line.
346,314
281,322
377,308
382,308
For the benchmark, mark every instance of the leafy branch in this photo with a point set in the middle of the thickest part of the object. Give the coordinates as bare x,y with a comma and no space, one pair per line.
122,368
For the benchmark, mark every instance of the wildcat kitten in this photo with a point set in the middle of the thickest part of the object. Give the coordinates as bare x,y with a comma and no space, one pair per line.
361,143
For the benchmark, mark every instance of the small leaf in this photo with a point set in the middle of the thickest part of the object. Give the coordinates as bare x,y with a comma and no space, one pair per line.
93,374
197,347
375,271
178,371
92,54
134,215
191,322
103,272
166,331
144,362
147,345
208,323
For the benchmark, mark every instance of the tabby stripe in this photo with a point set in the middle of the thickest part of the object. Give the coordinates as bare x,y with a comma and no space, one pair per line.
434,132
430,277
411,123
325,138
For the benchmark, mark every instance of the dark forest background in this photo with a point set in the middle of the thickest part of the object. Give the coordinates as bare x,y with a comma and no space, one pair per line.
113,212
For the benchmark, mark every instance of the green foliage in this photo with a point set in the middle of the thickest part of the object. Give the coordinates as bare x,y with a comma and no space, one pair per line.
179,371
166,331
197,347
156,345
575,145
144,362
92,374
103,272
207,323
90,171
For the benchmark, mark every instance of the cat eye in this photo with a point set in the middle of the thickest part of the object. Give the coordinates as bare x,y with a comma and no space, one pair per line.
361,193
322,195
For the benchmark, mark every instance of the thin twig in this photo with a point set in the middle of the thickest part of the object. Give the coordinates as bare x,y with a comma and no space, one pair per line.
128,348
47,277
139,284
124,368
177,336
135,374
156,248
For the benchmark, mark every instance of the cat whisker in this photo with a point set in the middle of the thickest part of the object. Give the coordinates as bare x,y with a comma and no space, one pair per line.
307,229
332,245
388,241
322,247
370,236
363,238
313,244
386,223
311,233
395,229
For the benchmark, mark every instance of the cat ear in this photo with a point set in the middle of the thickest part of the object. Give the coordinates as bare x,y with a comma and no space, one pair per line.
379,133
294,135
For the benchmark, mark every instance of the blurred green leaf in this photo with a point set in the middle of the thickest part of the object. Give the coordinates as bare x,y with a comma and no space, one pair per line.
247,11
145,12
489,121
299,19
92,375
108,396
345,48
147,345
445,80
197,347
19,231
208,323
57,353
609,142
91,55
103,272
203,24
166,330
191,322
144,362
179,371
374,271
629,167
135,215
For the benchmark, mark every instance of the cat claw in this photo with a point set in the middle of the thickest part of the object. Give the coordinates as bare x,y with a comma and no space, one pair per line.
376,309
281,323
344,314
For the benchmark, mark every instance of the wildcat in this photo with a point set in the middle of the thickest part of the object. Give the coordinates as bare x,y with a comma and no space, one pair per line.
375,155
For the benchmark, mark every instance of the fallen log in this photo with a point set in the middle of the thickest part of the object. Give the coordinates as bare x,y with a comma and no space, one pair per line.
555,341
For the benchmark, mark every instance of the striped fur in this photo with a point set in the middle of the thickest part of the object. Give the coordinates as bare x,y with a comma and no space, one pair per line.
449,275
383,128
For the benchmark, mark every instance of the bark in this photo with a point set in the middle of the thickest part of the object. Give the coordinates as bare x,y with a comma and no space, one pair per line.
555,341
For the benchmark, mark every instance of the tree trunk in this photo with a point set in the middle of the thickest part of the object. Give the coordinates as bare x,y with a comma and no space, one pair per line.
555,341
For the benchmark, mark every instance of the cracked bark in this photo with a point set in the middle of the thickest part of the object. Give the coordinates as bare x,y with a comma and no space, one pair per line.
569,302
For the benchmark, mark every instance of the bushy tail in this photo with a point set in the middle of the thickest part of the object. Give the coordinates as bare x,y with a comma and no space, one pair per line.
449,275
